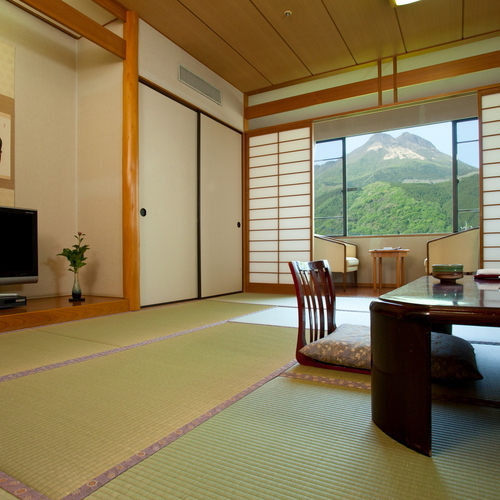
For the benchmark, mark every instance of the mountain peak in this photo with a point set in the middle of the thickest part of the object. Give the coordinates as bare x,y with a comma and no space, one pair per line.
406,145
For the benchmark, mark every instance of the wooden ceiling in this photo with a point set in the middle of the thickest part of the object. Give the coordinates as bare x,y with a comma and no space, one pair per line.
254,45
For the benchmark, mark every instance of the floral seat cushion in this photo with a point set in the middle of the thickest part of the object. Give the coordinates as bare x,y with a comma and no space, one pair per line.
452,358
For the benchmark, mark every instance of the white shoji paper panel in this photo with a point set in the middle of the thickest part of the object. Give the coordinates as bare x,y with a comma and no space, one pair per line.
290,135
491,100
295,223
491,198
261,257
295,212
294,189
264,171
263,203
491,170
293,201
263,224
303,177
491,155
294,156
490,226
263,246
492,240
298,245
260,161
285,147
491,128
257,182
264,278
492,212
265,150
258,140
263,267
490,117
264,214
282,180
292,168
491,184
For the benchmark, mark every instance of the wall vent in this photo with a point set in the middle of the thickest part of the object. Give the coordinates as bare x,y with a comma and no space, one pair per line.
200,85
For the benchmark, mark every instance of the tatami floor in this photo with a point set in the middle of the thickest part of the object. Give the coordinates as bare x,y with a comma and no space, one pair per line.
203,400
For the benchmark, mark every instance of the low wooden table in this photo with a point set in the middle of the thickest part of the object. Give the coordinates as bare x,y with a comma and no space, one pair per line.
401,325
378,255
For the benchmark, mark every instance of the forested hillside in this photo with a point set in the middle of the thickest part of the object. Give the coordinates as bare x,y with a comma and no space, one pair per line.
395,186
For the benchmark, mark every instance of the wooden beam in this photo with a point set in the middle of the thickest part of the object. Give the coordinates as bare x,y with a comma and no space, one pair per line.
76,21
130,165
114,8
413,77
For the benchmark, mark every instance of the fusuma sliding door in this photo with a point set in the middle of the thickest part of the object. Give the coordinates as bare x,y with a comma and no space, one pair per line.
168,198
220,209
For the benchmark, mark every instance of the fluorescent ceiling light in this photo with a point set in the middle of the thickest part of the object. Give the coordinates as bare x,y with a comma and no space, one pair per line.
396,3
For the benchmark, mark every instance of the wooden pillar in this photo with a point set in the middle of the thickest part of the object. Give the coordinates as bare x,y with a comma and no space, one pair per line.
130,163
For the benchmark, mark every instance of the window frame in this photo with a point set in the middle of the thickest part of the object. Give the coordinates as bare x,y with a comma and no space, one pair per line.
454,178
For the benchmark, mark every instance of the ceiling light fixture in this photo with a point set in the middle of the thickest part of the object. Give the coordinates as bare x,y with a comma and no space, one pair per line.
288,13
397,3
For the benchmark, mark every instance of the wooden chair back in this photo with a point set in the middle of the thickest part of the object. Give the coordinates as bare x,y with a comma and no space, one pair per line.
315,301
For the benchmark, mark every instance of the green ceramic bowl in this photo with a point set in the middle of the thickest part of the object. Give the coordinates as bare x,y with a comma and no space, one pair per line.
447,272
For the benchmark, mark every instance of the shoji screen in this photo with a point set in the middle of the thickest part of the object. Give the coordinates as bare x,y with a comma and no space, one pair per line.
490,134
279,181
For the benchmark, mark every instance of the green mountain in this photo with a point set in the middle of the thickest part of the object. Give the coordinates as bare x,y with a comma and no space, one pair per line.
396,186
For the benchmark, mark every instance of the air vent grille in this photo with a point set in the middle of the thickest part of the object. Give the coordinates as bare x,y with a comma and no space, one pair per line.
200,85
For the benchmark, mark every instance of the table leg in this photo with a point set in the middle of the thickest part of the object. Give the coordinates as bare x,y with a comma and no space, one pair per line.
400,376
374,272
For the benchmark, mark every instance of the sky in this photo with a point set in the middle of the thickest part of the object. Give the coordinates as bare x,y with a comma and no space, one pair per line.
438,134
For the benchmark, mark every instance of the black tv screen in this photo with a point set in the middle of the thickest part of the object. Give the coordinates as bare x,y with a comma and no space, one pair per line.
18,246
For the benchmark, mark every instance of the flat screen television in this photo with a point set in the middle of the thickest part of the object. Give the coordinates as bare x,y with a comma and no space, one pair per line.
18,246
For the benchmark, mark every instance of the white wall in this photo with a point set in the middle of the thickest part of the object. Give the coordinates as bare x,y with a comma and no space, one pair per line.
159,61
45,131
99,171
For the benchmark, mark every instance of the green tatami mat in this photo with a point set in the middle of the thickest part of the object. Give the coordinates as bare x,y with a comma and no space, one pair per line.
269,299
63,427
28,349
125,329
336,377
292,440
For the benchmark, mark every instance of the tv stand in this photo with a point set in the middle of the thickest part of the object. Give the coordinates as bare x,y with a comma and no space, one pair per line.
8,300
52,310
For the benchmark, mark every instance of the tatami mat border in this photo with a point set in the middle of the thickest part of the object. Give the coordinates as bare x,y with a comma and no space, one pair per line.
327,380
96,355
109,475
66,362
18,489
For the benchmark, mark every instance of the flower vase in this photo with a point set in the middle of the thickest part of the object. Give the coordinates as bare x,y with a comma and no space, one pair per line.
76,291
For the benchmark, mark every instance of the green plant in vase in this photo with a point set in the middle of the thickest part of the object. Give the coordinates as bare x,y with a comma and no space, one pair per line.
76,258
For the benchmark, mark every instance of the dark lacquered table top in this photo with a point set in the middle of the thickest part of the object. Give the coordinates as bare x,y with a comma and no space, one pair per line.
464,293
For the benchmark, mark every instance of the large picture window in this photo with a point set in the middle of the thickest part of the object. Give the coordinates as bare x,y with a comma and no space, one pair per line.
416,180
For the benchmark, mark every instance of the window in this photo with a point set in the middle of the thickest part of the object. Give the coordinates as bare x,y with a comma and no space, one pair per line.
416,180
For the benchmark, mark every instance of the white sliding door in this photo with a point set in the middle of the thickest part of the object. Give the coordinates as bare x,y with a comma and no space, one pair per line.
220,209
168,187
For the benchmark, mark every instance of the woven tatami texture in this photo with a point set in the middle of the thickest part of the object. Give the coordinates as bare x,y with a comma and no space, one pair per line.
139,326
28,349
299,440
63,427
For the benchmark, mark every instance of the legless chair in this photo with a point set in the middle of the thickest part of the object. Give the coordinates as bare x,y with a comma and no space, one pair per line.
458,248
320,342
341,255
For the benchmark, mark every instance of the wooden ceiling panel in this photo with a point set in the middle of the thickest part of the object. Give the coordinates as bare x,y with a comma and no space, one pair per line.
254,46
430,23
243,27
369,28
481,16
309,31
183,28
